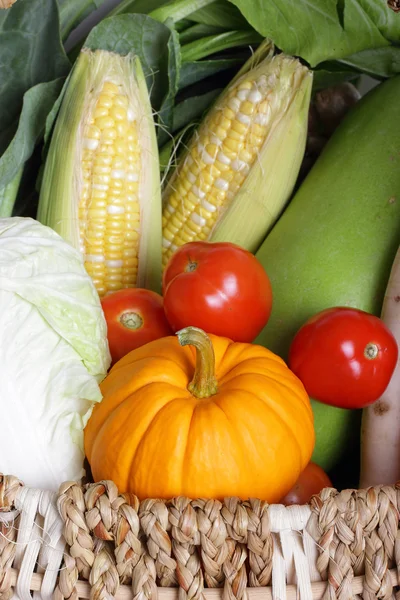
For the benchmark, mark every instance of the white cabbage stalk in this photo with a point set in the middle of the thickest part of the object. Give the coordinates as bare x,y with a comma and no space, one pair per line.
53,354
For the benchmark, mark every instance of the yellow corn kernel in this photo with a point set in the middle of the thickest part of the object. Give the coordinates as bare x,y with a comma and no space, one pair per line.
105,100
247,108
239,128
104,122
118,113
108,136
229,140
121,100
245,85
99,113
109,210
110,88
92,132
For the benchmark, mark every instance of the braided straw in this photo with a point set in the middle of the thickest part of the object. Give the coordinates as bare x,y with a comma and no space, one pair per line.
396,553
236,519
114,539
103,578
357,531
128,548
9,488
380,546
259,542
71,506
154,520
185,538
213,534
101,500
114,517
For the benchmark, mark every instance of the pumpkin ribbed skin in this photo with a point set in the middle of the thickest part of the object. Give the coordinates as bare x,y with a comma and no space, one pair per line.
152,437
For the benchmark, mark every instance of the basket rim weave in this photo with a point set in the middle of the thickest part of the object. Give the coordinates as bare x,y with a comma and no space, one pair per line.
340,545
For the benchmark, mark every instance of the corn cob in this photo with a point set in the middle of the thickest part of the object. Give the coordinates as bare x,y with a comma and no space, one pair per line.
241,165
101,188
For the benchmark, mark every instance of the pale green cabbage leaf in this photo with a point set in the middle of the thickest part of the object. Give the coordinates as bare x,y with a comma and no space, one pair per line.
53,354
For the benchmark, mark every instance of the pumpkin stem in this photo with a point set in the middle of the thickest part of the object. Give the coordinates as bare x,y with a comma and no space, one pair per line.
204,383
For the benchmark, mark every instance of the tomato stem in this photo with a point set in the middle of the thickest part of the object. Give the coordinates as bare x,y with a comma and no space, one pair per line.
204,383
131,320
191,266
371,351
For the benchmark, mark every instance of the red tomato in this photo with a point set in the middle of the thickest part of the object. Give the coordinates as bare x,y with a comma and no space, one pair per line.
311,482
345,357
218,287
134,317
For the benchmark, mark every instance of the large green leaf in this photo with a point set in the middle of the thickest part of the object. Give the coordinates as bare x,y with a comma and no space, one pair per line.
136,6
72,12
324,78
165,116
30,53
176,10
144,36
37,103
192,72
218,43
319,30
380,62
8,195
198,31
192,108
387,21
220,14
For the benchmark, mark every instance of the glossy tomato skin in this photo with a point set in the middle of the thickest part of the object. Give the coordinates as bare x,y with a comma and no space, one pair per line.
218,287
311,482
344,357
134,317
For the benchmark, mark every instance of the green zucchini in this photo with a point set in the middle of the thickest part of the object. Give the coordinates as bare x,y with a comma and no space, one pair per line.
336,241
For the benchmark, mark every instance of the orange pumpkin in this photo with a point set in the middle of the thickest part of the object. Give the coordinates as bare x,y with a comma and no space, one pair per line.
243,426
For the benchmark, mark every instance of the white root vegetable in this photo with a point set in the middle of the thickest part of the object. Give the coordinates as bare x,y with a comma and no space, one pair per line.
380,430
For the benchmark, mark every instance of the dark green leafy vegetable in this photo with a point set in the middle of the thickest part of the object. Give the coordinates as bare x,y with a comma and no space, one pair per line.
380,63
188,49
178,9
385,19
37,104
324,78
72,12
135,6
8,195
221,13
165,116
145,37
192,72
182,25
192,108
319,30
32,66
30,53
198,31
217,43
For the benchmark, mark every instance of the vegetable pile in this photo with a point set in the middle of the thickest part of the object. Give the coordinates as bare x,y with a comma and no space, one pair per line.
199,220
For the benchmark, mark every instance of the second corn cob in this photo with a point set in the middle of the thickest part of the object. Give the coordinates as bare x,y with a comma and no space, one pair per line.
101,188
241,165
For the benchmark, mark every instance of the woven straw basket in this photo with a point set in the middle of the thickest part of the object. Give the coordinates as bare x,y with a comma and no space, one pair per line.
91,542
